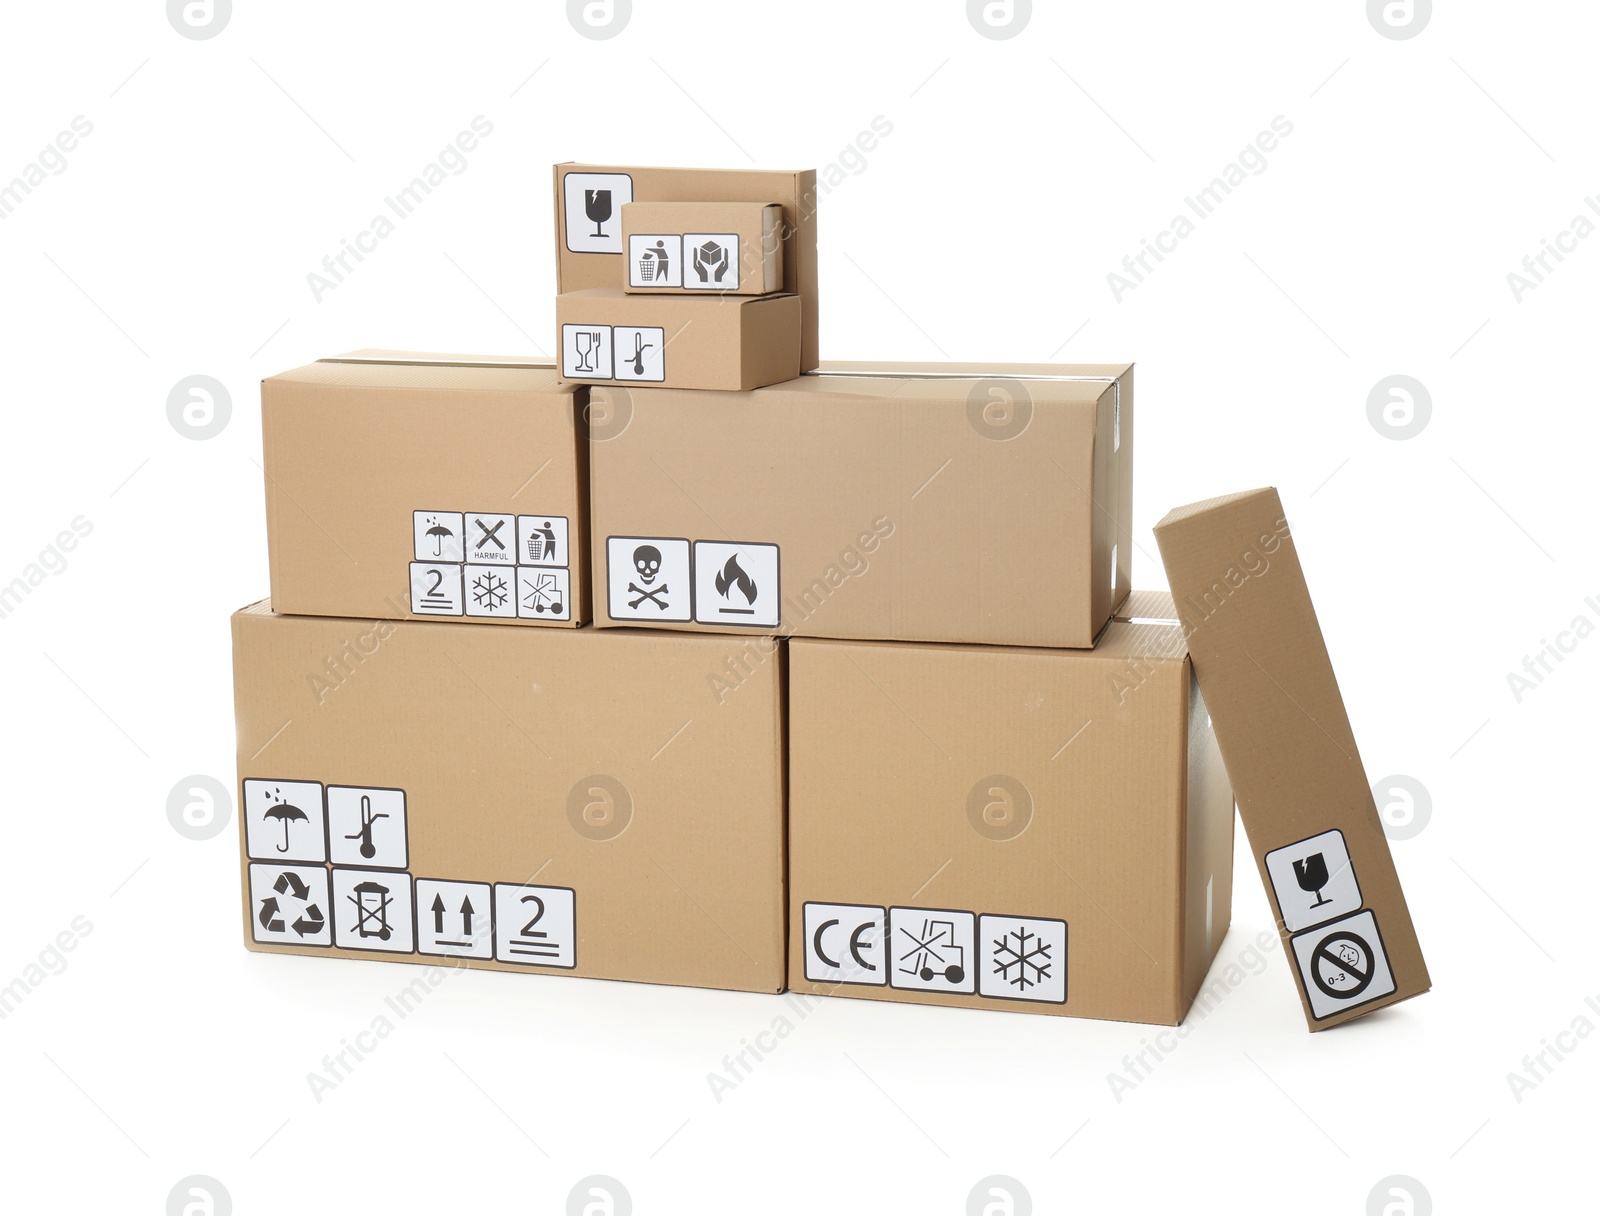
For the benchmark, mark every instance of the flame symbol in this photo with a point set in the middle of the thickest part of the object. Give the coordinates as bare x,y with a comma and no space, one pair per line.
733,575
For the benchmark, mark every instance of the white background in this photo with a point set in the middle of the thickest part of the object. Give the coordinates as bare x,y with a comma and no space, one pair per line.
1019,172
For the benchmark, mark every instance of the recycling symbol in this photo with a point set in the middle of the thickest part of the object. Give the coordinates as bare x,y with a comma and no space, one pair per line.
308,920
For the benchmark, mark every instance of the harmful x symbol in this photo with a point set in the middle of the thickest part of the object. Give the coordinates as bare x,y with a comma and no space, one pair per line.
489,534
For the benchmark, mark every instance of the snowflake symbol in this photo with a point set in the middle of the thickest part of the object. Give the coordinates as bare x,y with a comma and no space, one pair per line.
1022,958
489,590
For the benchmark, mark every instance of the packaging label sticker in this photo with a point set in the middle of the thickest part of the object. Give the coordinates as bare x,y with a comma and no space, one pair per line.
1313,880
647,578
845,944
655,260
586,352
640,352
490,592
535,926
1343,964
366,827
1024,958
736,584
541,540
289,905
436,536
592,207
284,820
455,918
713,261
372,911
491,539
931,950
436,589
543,594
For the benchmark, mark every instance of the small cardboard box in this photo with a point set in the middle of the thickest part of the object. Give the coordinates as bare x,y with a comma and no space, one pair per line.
555,802
996,828
731,249
421,485
608,336
589,200
1303,794
940,503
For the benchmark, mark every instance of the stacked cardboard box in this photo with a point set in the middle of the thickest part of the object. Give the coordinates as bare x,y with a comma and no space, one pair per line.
867,708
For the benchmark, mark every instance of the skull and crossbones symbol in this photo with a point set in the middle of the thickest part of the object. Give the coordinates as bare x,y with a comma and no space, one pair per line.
647,561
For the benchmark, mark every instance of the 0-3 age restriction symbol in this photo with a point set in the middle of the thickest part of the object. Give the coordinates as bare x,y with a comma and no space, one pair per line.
1342,965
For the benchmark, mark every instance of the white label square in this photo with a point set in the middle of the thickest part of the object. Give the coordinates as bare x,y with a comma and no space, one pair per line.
735,584
593,210
655,260
647,578
640,352
435,589
845,944
711,261
1024,958
491,591
535,926
1313,880
1343,964
366,827
586,352
931,950
491,539
544,595
283,820
289,905
542,540
372,911
455,918
436,536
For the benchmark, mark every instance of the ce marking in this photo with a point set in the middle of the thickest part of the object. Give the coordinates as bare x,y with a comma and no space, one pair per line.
845,944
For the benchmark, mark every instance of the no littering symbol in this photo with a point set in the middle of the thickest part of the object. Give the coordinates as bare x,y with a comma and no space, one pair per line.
1342,965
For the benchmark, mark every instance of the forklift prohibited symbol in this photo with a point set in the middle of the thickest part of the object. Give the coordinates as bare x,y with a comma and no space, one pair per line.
1342,965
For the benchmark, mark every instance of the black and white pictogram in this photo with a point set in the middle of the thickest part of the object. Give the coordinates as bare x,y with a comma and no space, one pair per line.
931,950
846,944
586,352
490,592
366,827
1314,880
592,210
1024,958
289,905
535,926
454,918
283,820
647,578
1343,964
639,352
437,536
736,584
372,911
542,540
491,539
436,589
713,261
543,594
655,260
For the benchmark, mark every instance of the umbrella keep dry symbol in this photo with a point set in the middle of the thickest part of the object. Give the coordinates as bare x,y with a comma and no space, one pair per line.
286,813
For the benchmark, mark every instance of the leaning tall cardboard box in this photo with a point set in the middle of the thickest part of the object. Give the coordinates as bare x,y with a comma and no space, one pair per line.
560,802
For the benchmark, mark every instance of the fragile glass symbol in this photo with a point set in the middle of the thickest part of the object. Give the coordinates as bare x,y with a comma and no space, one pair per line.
1312,875
588,343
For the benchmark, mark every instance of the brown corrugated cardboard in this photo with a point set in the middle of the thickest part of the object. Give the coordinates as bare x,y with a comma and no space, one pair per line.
1303,794
873,502
678,341
589,250
402,485
1044,831
704,248
557,802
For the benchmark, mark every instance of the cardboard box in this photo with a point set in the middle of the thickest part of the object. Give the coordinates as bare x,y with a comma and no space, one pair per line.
678,341
726,248
553,802
589,250
938,503
996,828
420,485
1303,794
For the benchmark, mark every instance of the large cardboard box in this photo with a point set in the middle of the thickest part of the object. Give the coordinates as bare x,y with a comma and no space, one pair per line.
1303,794
424,485
720,343
589,201
704,248
946,503
560,802
1045,831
